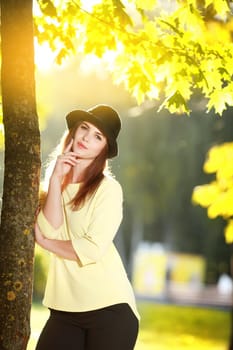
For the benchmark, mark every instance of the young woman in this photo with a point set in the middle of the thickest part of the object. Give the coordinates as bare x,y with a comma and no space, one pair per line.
91,301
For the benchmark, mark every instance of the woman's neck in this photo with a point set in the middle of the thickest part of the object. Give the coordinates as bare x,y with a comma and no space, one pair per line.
79,170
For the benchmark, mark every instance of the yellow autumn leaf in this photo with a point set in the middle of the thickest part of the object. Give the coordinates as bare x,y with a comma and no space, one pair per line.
225,183
225,174
205,195
146,4
217,32
151,31
208,3
219,99
228,232
213,77
221,7
191,19
220,160
222,205
181,85
176,103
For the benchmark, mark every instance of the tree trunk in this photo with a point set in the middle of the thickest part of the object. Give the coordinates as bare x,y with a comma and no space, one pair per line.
22,170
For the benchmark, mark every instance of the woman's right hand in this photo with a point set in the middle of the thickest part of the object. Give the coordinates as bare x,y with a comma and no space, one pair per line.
65,162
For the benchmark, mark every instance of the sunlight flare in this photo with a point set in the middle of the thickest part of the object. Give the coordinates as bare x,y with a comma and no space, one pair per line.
88,5
44,56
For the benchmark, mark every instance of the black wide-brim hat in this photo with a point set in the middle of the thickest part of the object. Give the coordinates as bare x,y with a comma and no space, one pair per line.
105,118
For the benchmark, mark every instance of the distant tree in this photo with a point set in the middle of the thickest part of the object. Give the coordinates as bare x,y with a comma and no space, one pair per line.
160,163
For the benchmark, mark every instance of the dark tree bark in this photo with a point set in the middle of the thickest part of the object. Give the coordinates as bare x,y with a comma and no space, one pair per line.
22,173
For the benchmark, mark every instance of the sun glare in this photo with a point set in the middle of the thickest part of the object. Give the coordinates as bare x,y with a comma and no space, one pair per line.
88,5
44,56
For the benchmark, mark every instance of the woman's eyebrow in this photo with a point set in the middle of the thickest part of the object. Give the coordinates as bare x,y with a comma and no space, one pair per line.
99,133
88,126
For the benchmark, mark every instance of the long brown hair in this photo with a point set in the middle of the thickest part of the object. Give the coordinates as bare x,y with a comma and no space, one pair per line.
93,174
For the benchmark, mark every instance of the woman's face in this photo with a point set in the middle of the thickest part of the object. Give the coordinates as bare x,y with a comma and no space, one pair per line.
88,141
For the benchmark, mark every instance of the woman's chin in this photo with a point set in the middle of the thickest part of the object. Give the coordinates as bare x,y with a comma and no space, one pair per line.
79,154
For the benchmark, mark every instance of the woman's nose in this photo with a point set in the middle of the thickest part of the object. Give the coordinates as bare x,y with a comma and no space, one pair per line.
86,136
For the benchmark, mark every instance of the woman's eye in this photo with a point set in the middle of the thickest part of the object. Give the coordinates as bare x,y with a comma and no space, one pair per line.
83,126
98,137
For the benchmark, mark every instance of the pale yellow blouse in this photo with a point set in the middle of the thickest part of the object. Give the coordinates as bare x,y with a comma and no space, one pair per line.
100,280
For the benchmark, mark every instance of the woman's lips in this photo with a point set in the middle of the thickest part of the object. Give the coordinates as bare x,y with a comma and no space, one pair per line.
81,145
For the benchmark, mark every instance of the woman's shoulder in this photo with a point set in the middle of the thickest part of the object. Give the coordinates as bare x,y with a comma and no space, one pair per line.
109,183
110,180
108,191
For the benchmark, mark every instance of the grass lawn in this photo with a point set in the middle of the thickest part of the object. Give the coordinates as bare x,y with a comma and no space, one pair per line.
164,327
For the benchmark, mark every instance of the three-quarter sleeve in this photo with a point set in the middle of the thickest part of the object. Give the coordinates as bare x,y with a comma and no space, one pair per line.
103,224
47,229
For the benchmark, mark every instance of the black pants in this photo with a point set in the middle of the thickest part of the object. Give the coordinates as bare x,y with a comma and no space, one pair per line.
110,328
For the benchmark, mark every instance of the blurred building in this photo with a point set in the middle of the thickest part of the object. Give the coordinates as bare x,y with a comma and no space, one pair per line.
164,275
160,273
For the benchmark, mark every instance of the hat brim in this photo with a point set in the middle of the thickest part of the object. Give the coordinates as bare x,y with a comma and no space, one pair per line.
80,115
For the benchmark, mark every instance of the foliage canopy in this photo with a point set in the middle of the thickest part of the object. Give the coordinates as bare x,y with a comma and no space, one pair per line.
160,50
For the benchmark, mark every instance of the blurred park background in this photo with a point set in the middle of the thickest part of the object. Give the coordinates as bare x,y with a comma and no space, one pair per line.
172,251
